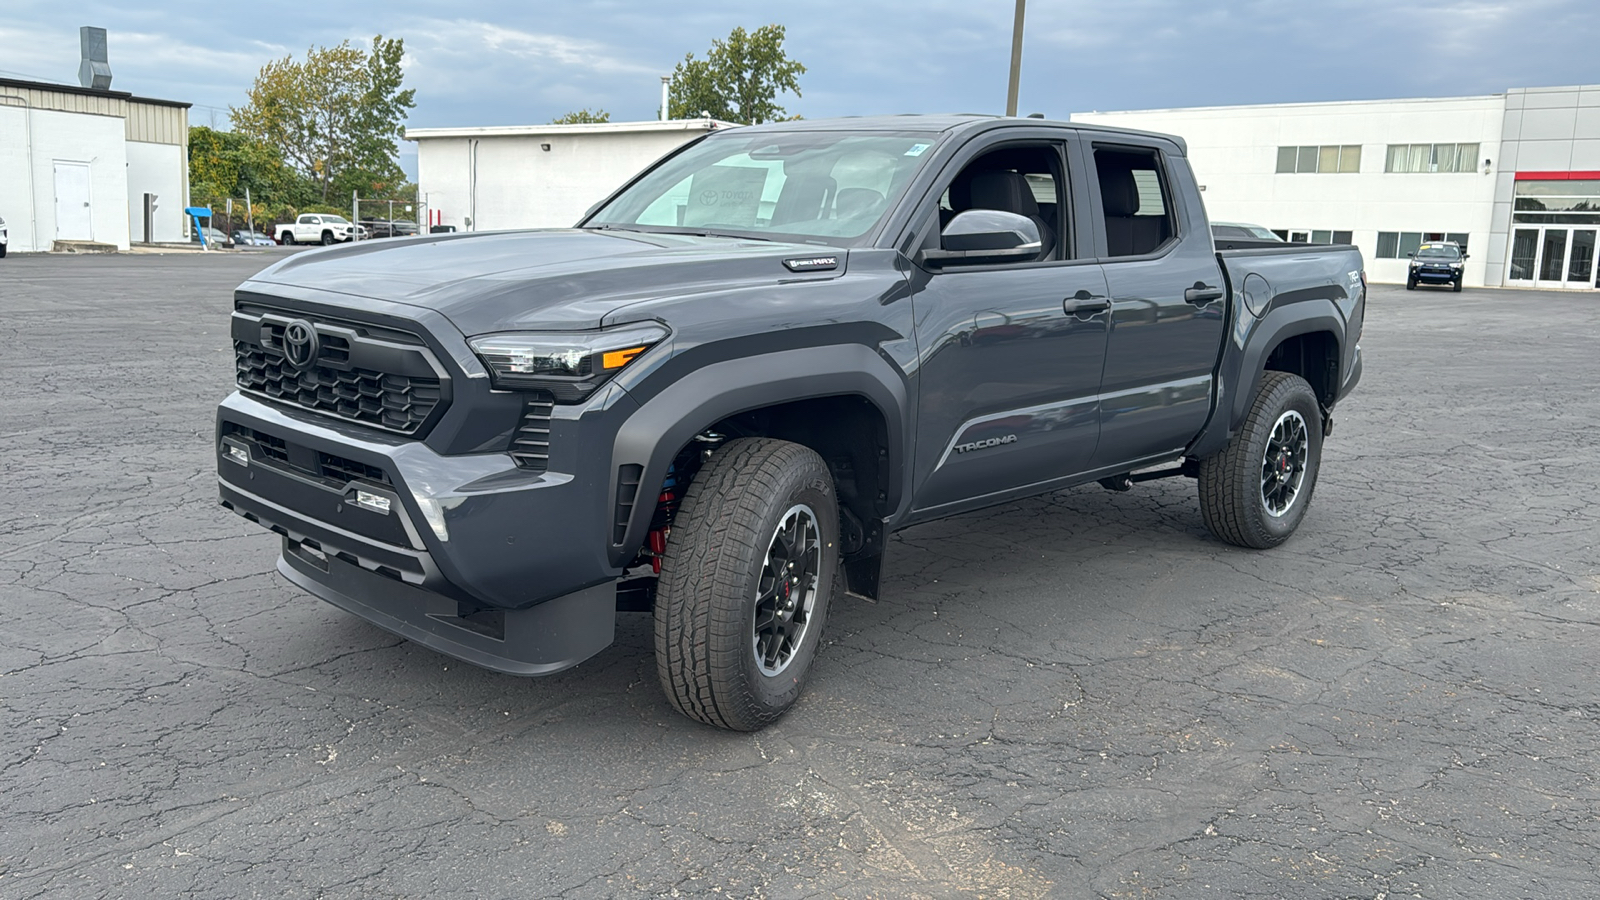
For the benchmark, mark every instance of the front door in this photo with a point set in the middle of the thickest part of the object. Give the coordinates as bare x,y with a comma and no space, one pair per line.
74,221
1010,353
1553,257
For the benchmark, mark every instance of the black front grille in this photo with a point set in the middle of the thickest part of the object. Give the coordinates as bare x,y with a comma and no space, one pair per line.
531,445
376,375
336,470
396,402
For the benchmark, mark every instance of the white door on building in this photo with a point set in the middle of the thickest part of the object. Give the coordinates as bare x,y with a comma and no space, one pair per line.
74,219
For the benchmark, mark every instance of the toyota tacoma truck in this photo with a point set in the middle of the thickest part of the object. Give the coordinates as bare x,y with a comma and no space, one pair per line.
319,228
716,396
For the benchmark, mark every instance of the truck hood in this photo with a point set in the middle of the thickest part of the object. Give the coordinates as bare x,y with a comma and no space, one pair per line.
563,279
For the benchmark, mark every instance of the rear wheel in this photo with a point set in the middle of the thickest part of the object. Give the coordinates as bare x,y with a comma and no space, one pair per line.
288,239
745,583
1256,491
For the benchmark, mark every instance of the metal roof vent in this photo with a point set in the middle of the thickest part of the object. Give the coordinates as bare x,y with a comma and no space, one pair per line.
95,69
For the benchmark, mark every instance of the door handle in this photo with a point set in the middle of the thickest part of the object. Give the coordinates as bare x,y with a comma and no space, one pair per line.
1085,304
1201,294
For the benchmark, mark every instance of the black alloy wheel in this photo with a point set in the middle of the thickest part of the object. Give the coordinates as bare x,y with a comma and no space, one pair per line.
1283,465
787,594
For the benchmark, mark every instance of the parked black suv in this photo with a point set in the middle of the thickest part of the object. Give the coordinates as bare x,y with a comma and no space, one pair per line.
1439,262
716,397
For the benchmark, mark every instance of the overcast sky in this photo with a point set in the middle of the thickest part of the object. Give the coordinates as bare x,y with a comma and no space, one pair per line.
507,63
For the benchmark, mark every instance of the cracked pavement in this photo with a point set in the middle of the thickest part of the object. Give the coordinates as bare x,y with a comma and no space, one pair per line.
1079,695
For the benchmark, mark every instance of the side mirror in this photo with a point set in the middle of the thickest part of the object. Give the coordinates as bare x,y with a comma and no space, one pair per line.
1466,256
985,234
1410,255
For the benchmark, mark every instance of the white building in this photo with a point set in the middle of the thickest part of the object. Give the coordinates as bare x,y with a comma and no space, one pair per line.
1514,177
76,164
536,176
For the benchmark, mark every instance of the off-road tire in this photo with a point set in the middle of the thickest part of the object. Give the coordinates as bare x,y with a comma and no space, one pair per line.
1232,491
1456,287
711,576
1410,285
327,239
288,239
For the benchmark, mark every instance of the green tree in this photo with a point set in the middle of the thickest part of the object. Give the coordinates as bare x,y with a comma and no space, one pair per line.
336,116
738,81
582,117
226,164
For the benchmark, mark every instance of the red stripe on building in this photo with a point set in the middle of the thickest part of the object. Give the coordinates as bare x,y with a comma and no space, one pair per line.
1558,176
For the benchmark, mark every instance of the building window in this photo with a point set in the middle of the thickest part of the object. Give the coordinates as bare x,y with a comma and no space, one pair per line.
1313,236
1401,244
1329,158
1575,202
1431,158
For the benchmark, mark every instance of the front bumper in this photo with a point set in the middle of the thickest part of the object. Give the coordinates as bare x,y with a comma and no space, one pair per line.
474,557
1434,276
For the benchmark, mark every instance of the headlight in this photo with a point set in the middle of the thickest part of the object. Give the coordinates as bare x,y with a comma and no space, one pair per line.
568,364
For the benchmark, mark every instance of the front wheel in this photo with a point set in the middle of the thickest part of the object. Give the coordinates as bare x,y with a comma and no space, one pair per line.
1256,491
1456,287
1410,285
327,239
748,572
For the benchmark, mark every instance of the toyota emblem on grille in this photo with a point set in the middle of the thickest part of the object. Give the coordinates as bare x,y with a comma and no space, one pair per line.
300,343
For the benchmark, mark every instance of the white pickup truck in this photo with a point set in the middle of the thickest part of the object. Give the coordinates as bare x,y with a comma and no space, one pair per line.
319,228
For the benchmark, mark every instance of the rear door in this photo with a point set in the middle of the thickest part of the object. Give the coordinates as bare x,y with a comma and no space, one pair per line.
1008,375
74,214
1168,310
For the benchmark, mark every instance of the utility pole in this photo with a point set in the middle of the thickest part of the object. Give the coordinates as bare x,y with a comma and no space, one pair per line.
1016,61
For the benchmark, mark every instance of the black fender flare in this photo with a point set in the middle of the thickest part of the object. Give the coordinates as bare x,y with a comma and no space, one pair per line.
654,433
1244,362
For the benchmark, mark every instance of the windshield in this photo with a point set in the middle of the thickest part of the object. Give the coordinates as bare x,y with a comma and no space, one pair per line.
825,187
1438,252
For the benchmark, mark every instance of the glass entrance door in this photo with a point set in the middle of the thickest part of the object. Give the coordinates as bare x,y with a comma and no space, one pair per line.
1554,257
1580,259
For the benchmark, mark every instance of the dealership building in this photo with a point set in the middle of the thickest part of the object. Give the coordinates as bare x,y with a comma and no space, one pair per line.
1514,178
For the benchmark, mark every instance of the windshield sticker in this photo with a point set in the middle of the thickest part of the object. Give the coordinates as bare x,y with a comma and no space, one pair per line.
917,149
725,195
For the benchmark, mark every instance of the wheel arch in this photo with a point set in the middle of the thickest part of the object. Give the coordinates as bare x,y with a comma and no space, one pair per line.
1305,338
843,401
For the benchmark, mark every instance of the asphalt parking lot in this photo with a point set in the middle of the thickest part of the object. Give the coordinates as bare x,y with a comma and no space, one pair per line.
1081,695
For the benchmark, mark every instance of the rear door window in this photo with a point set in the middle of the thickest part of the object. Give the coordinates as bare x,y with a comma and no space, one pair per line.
1135,198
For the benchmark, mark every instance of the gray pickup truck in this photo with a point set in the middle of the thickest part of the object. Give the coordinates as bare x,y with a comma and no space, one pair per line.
716,396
